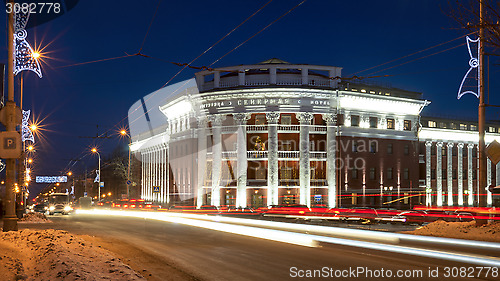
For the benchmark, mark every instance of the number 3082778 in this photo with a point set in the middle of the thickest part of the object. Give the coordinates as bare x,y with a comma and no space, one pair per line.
33,8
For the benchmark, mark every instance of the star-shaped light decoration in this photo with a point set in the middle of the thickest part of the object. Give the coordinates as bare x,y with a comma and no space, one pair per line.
24,56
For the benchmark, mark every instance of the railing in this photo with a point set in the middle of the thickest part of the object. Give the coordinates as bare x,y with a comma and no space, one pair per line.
288,127
227,84
229,154
257,154
319,82
318,129
229,128
257,82
290,81
251,128
288,154
317,155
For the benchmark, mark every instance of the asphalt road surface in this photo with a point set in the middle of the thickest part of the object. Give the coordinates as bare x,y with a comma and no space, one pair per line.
171,251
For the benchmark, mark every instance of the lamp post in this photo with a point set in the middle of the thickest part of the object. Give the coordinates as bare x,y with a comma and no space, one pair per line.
94,150
124,133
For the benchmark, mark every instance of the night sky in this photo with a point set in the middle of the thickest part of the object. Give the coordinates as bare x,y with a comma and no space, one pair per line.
71,100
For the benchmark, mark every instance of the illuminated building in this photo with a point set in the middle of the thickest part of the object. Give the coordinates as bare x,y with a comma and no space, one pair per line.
279,133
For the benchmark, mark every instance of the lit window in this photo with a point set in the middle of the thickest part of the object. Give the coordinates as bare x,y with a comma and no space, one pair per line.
372,92
391,124
473,127
443,125
354,90
432,124
363,91
463,126
453,126
491,129
407,125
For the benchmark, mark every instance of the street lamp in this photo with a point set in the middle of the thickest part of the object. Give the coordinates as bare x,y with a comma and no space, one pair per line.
94,150
124,133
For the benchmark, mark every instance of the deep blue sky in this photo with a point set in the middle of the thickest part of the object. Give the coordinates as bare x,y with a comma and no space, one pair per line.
354,34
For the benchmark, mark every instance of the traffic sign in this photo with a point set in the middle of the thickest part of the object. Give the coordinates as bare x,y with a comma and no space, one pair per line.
10,145
156,189
493,152
129,182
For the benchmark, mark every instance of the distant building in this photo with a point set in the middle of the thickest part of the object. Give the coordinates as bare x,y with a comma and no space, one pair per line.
279,133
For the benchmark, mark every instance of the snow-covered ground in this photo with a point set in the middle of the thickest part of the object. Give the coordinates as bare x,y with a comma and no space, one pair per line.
57,255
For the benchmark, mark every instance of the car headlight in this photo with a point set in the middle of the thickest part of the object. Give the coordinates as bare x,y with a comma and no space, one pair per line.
52,208
67,208
45,208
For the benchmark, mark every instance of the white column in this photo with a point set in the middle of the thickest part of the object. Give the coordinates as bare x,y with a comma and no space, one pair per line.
272,75
143,170
272,158
216,121
489,198
460,177
167,164
449,160
202,159
242,164
305,76
216,79
439,174
241,77
331,157
428,188
304,164
470,199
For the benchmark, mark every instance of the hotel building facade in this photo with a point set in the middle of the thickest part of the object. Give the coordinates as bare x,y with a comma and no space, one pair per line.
279,133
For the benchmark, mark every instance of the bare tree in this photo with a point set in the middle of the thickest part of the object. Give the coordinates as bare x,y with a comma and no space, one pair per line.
466,13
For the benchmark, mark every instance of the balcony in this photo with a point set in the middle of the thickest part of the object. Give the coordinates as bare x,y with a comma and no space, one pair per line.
257,128
317,155
257,154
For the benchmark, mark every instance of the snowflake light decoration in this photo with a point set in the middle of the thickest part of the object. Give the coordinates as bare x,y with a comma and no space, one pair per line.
472,73
26,131
97,177
24,56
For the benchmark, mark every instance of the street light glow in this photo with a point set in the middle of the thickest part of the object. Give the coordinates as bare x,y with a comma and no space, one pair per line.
31,148
35,55
94,150
70,173
33,127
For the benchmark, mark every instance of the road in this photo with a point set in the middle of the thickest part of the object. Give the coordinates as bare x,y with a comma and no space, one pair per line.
171,251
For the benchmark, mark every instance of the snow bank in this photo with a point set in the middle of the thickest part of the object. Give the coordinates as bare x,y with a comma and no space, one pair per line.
57,255
462,230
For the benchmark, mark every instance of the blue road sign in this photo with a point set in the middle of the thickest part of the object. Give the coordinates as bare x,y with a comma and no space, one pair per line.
156,189
129,182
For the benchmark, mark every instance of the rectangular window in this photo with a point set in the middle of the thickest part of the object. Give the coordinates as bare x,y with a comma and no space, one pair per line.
473,127
463,126
389,173
406,149
454,174
491,129
355,120
406,174
373,172
453,125
260,119
443,125
373,122
407,125
286,120
432,124
391,124
389,148
354,173
433,174
373,146
445,174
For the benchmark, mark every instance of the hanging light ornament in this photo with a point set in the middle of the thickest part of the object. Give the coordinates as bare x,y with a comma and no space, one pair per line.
24,56
25,129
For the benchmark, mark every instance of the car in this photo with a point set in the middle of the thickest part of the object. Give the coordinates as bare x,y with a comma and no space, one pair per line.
40,208
413,217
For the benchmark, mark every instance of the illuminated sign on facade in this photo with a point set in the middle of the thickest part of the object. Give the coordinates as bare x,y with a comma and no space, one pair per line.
51,179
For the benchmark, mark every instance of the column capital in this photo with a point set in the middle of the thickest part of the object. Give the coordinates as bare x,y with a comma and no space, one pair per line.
470,145
450,145
440,144
460,145
304,117
330,118
201,121
272,117
216,119
241,118
428,143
